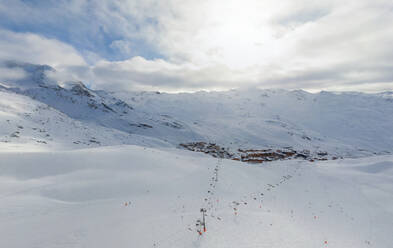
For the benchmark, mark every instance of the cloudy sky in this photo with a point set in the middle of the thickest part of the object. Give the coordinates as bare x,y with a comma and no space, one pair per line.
184,45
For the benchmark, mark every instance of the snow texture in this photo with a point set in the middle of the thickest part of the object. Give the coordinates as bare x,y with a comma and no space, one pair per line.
132,196
89,168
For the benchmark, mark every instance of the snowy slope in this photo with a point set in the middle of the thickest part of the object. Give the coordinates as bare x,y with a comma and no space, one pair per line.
27,123
336,122
343,124
77,199
99,108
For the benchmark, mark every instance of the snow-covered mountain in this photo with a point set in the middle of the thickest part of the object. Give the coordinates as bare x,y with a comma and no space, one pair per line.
134,188
42,112
260,118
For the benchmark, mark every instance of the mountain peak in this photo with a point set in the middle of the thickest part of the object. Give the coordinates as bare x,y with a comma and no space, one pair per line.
78,88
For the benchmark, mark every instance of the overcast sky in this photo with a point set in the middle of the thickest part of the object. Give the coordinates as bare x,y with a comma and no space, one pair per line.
184,45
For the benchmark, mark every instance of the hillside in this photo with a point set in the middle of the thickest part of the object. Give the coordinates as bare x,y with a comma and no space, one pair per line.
132,196
342,124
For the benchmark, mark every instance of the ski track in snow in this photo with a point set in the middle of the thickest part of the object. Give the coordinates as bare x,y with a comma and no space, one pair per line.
82,202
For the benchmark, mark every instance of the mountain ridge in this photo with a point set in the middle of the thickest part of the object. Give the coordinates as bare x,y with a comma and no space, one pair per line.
341,123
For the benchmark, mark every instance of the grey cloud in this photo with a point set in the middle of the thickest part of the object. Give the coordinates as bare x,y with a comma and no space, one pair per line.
301,44
11,74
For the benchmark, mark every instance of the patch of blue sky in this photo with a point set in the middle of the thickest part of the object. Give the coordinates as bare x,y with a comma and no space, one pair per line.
83,31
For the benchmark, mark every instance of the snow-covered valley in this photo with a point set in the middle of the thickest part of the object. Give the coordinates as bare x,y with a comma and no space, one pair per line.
91,168
132,196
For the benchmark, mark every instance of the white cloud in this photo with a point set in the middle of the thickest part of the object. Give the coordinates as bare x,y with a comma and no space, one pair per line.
123,46
232,43
138,73
11,74
221,44
32,48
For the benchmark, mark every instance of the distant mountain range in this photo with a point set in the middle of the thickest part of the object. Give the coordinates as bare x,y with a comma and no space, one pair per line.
39,112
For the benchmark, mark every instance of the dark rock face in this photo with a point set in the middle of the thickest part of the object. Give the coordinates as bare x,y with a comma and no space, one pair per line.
81,90
141,125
